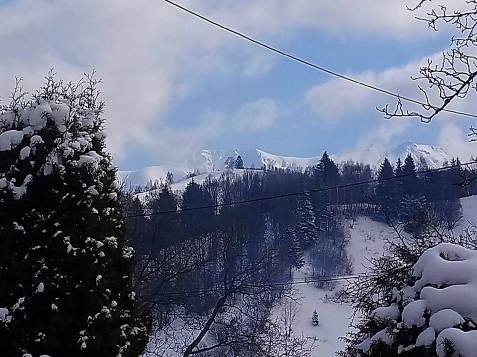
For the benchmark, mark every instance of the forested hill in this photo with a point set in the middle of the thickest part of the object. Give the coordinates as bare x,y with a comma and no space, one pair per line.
210,258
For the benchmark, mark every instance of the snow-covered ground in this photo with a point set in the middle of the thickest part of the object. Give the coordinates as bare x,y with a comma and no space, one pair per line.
367,239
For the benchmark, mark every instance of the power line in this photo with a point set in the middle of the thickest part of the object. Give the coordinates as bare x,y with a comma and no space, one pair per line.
325,189
309,64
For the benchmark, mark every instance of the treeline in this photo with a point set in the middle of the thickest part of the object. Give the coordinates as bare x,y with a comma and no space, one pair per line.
418,197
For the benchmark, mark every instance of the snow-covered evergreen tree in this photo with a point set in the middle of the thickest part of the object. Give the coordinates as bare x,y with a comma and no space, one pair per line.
430,313
65,271
297,259
306,226
315,319
229,163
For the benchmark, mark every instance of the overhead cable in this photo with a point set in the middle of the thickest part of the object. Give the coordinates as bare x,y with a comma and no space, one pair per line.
312,65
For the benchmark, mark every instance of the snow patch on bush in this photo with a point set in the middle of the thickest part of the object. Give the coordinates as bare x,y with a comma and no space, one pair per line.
444,319
464,343
10,139
442,299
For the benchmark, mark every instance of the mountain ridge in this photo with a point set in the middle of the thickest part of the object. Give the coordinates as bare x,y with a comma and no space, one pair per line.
213,161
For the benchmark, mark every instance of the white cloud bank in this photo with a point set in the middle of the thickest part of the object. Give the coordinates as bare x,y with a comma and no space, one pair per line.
455,142
258,115
335,99
148,53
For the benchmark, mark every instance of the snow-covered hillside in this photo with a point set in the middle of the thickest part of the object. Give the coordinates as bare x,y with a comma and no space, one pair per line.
367,238
210,161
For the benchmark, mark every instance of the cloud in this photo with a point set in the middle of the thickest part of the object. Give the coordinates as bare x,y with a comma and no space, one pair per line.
456,143
390,18
337,97
149,53
254,116
180,143
381,137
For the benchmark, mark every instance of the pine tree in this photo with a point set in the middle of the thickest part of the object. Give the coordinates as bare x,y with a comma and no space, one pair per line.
65,272
321,201
164,230
306,227
401,322
330,175
398,181
315,319
296,252
410,182
385,191
169,178
239,162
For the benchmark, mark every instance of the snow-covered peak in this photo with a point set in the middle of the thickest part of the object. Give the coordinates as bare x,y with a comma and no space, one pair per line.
213,161
432,155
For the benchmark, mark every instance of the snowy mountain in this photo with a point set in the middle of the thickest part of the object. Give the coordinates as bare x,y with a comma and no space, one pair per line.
432,155
213,161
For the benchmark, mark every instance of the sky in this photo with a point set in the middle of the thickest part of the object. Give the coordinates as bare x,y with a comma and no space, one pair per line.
174,84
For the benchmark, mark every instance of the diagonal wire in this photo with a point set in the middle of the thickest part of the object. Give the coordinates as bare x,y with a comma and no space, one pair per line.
302,61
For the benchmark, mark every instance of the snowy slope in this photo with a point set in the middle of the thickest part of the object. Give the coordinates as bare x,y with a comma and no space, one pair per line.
212,161
366,241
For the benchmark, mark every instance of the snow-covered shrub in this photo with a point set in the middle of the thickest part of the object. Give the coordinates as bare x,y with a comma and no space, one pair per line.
65,268
434,316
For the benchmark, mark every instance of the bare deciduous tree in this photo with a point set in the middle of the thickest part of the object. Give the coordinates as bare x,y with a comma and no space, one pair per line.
455,75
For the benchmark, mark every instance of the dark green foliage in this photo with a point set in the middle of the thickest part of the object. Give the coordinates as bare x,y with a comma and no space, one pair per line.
385,191
65,272
315,319
354,199
239,162
229,163
409,181
296,252
306,230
